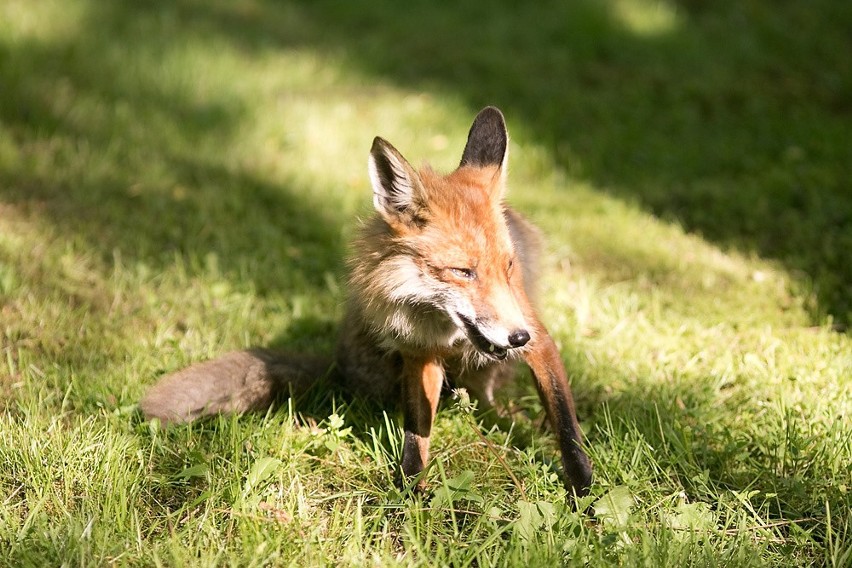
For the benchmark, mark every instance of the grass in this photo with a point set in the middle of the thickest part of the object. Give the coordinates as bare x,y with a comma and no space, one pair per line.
178,179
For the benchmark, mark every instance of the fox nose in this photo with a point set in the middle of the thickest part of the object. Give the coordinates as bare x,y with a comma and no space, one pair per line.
519,338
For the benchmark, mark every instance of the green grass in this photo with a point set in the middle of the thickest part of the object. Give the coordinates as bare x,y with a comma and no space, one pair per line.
180,178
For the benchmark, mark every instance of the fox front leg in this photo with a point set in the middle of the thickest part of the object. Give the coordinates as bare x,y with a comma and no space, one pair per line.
547,368
422,379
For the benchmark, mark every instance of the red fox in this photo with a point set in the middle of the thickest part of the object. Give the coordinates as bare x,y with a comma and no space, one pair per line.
439,290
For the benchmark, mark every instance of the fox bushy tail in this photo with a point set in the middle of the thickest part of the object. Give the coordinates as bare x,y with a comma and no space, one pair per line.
235,382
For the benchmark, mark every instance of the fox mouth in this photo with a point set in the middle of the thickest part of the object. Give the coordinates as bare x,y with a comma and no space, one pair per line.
482,344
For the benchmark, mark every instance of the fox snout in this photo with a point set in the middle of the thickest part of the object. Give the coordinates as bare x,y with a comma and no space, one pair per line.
492,341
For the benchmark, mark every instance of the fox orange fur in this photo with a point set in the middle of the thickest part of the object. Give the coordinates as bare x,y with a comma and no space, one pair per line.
439,291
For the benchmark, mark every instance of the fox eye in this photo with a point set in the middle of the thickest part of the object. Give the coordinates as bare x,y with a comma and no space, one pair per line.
511,265
464,273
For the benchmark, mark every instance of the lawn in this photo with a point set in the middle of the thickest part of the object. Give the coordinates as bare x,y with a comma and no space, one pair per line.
180,178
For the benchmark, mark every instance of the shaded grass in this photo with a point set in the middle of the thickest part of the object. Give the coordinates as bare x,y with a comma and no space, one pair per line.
716,117
180,179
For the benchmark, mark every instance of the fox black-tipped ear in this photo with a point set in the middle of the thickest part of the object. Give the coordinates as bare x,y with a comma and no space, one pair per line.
396,186
488,141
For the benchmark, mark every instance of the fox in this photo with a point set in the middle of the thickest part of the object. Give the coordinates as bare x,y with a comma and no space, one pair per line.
440,285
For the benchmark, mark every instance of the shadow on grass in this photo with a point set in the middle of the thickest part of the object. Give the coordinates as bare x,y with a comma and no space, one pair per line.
732,119
112,154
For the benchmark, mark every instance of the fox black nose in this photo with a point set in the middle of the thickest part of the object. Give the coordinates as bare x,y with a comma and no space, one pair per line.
519,338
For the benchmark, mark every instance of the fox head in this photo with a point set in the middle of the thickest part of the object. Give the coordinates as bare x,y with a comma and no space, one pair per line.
438,266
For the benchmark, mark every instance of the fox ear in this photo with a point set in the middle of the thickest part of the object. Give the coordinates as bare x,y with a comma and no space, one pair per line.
396,186
488,141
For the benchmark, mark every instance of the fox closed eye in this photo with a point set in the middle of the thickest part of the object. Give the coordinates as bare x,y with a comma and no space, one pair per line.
463,273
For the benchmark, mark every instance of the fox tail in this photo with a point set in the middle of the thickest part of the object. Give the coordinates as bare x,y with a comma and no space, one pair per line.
235,382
